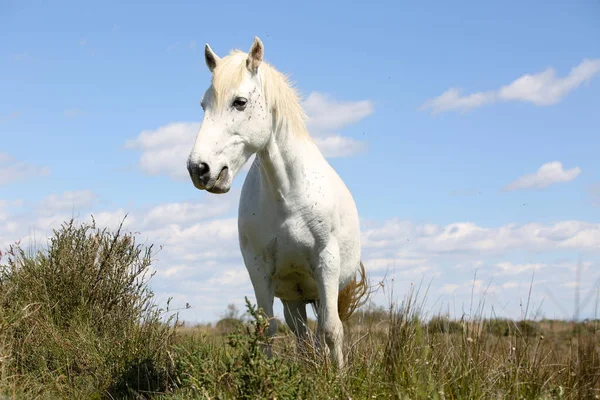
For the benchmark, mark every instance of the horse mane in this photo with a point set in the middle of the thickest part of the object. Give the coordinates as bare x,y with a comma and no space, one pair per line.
280,95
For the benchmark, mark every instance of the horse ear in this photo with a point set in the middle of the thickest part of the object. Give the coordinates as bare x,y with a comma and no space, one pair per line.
210,57
255,55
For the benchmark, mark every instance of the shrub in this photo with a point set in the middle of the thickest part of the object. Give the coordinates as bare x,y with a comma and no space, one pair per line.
228,325
241,370
443,324
78,320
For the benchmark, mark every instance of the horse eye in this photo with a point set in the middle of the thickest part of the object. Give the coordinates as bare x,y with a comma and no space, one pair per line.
240,103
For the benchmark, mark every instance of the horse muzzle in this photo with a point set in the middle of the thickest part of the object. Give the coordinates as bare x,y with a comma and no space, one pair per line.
204,178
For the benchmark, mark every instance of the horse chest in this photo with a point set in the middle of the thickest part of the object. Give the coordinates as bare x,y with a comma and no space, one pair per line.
290,248
292,241
298,242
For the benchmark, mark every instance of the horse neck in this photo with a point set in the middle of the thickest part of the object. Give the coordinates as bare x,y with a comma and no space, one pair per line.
282,162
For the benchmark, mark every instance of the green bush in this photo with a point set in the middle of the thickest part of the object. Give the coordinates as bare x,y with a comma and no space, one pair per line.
241,370
228,325
78,319
443,324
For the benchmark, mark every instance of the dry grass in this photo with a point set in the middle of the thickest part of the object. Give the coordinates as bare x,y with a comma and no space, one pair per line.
394,353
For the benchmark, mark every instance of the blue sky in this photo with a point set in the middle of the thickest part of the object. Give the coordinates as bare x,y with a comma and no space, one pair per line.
434,110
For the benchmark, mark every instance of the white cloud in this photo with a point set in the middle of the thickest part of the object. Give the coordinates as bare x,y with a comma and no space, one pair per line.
12,170
177,213
541,89
113,218
508,268
510,285
326,114
339,146
165,150
458,240
406,262
548,174
6,207
452,99
231,277
200,261
451,254
68,201
545,88
449,288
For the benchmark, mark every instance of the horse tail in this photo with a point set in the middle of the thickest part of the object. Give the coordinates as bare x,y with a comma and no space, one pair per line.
353,295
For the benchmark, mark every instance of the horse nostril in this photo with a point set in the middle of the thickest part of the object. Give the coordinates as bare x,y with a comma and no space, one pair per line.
199,171
203,169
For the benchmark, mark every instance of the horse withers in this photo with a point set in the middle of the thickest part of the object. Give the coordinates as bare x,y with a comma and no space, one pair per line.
297,221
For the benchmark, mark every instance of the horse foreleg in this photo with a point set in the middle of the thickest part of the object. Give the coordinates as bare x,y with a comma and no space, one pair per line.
263,291
294,312
327,275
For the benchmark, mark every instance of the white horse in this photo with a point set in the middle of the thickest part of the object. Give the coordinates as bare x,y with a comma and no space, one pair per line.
297,221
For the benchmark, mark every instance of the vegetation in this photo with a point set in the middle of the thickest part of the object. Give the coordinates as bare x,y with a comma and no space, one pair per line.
78,321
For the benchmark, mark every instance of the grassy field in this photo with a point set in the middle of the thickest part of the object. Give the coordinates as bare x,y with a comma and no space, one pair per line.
78,321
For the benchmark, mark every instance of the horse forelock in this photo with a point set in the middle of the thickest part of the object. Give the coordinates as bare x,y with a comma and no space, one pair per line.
280,95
